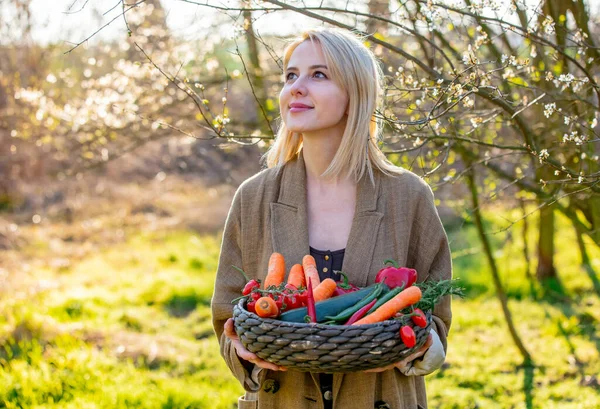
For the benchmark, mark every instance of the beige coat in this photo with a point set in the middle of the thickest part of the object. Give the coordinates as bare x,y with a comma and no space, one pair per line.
394,219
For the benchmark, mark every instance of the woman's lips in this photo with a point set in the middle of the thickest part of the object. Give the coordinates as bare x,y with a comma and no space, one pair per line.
295,107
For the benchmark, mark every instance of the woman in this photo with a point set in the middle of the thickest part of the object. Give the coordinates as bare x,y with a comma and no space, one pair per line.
329,191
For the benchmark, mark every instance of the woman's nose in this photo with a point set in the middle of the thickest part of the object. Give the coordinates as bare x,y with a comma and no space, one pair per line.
298,87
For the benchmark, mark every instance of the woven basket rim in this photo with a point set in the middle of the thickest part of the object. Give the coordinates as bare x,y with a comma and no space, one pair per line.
241,303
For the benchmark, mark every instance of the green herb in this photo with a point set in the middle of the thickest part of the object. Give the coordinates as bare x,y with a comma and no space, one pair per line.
433,291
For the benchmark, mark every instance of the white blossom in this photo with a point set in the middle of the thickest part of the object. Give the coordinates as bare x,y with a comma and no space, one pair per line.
548,25
469,57
549,109
566,78
574,137
476,121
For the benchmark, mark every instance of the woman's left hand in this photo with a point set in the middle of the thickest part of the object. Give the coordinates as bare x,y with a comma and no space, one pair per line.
406,360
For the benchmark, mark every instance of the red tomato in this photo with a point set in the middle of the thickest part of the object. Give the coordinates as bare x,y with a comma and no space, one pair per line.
408,336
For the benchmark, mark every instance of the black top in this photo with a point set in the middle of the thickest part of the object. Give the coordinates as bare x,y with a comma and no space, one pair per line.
328,262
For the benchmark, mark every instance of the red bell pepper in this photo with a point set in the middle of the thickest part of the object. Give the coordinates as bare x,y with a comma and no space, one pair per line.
344,286
395,276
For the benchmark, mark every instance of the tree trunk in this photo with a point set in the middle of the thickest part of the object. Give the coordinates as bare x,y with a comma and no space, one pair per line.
525,232
494,269
254,68
255,75
545,267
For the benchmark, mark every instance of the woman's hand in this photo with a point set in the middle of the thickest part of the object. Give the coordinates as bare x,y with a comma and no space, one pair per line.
243,353
406,360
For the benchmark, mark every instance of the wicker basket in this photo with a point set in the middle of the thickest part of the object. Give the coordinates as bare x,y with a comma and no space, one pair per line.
324,348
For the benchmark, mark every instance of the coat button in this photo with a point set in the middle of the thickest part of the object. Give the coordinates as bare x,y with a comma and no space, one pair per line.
270,386
326,258
328,395
381,405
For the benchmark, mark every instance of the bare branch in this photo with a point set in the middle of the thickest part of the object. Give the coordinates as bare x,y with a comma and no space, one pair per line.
104,26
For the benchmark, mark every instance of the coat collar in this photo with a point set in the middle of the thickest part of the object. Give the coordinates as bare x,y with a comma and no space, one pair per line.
289,222
293,187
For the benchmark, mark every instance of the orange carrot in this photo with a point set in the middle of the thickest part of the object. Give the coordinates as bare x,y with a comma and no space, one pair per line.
324,290
266,307
405,298
296,277
310,270
276,270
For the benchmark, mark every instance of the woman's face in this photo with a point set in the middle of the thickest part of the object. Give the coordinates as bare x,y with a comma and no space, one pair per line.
310,100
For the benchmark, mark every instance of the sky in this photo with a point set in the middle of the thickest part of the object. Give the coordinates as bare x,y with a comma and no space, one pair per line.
54,22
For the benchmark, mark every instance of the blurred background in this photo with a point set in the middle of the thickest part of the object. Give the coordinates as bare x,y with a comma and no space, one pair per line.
125,129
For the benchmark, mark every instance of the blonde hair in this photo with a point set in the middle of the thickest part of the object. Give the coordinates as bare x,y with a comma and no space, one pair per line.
355,69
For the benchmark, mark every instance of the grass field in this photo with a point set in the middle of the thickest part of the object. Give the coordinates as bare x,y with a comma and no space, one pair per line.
127,325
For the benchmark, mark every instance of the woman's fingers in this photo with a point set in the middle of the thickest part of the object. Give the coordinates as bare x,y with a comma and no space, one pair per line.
252,357
243,353
230,330
268,365
406,360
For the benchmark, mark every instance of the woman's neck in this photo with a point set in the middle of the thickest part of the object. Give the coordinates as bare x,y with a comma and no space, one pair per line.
318,151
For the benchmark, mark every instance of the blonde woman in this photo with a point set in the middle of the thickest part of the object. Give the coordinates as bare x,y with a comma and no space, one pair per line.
329,191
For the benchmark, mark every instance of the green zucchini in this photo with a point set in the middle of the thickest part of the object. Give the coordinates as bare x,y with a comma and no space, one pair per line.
347,313
331,306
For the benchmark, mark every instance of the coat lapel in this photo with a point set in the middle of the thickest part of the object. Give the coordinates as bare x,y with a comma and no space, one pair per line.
289,220
358,256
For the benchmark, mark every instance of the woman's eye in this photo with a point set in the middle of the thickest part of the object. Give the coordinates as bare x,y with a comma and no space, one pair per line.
319,74
290,76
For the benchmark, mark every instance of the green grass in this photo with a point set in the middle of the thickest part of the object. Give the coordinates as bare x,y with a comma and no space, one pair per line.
129,327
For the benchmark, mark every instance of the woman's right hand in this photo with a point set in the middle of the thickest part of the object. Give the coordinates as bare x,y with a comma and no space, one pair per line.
243,353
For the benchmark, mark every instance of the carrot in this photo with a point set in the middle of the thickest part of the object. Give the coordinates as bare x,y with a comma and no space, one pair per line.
266,307
325,290
296,277
310,270
405,298
276,271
